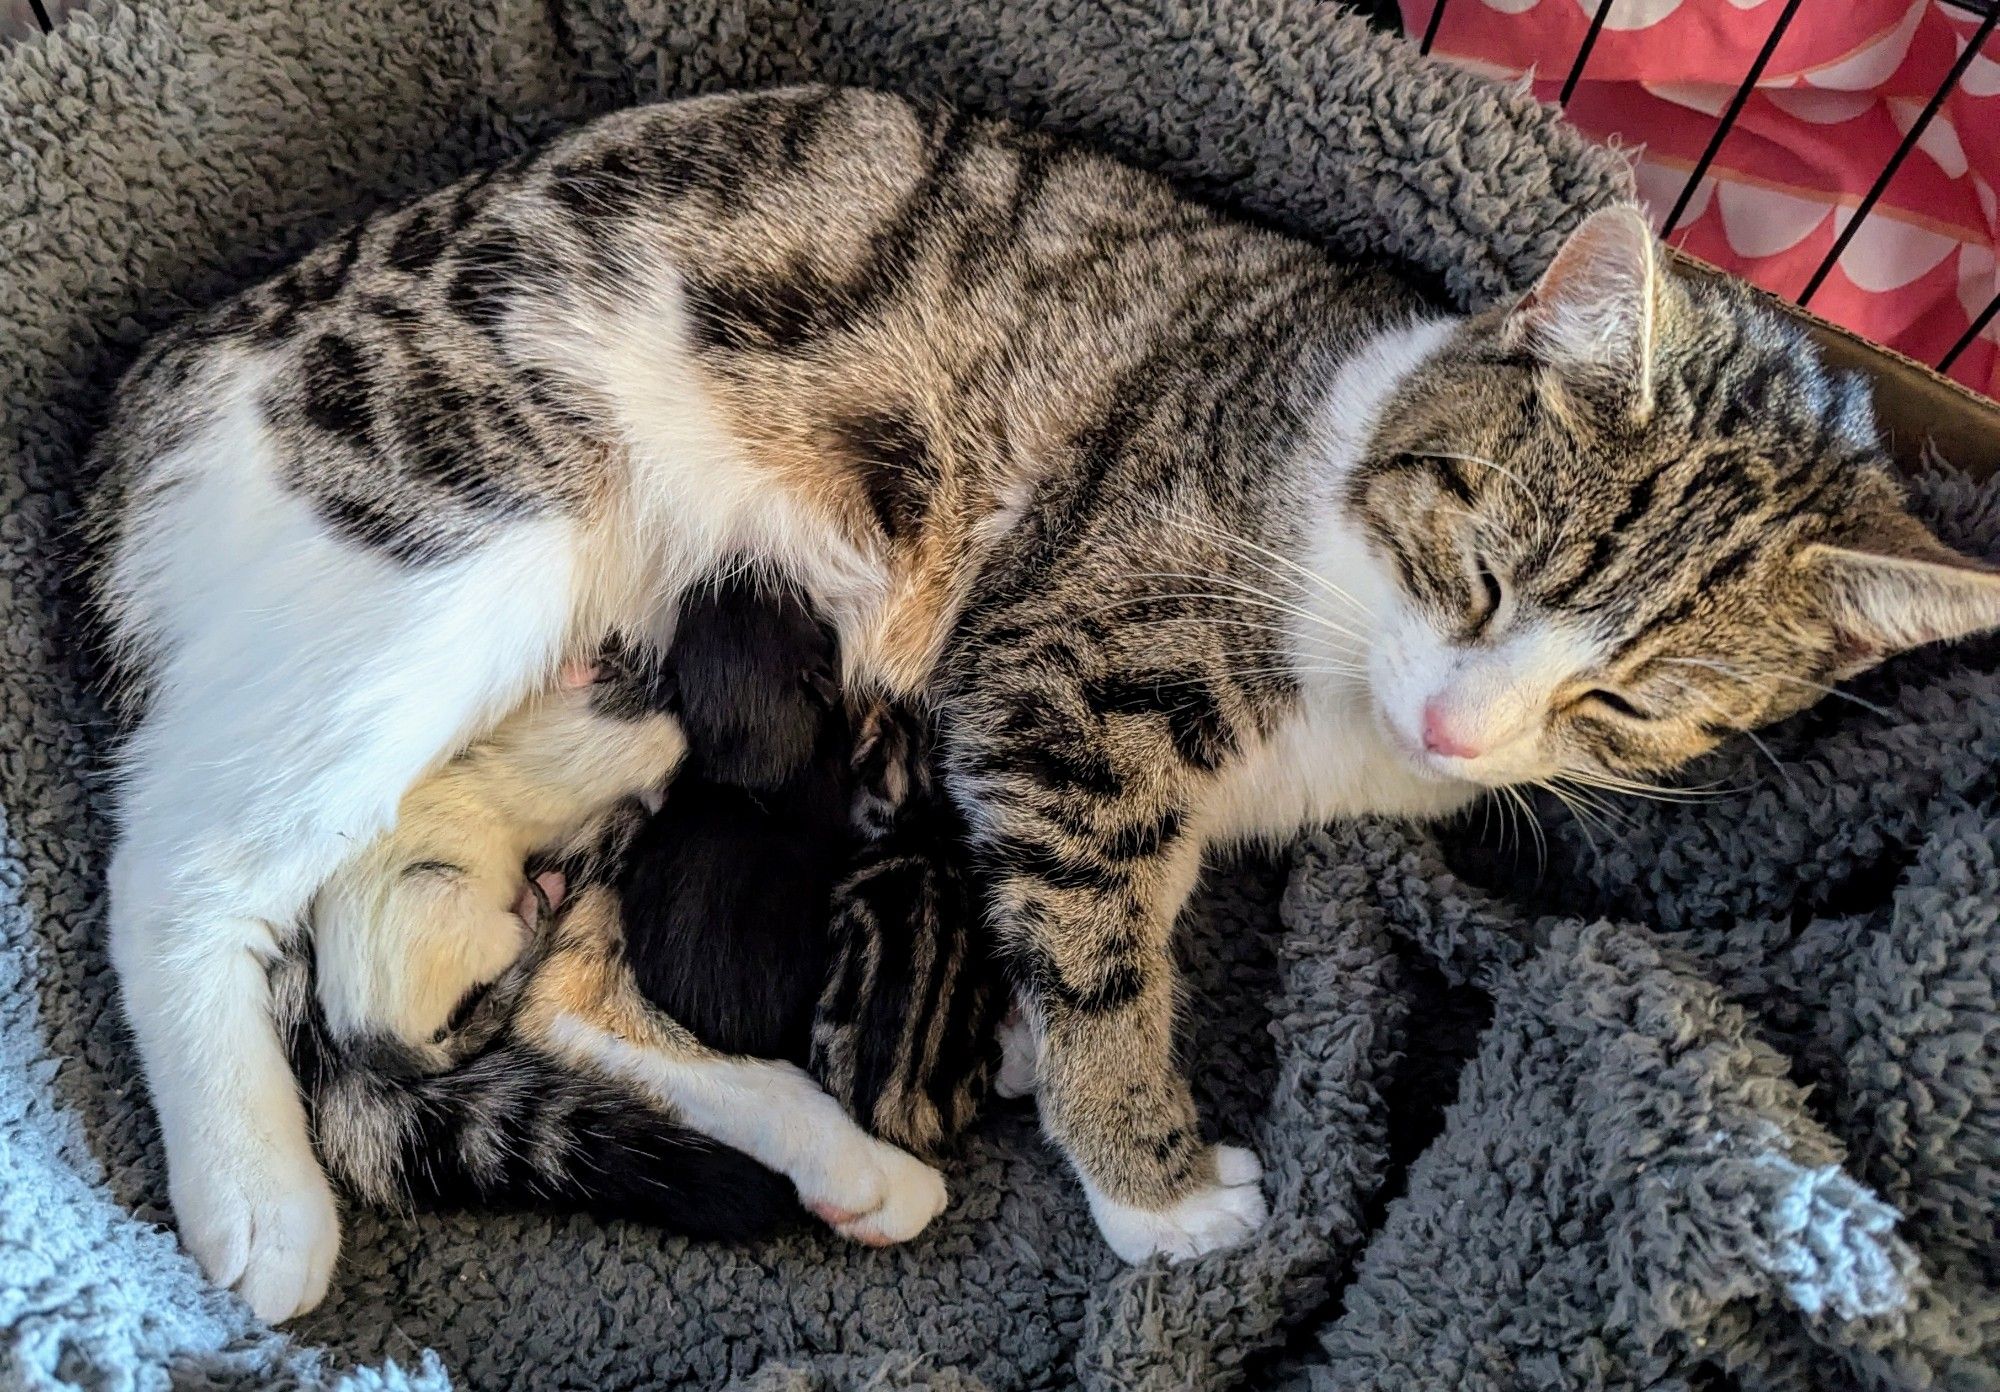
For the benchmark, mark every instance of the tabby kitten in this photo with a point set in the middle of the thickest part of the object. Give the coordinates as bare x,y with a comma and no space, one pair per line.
1189,532
911,1030
713,910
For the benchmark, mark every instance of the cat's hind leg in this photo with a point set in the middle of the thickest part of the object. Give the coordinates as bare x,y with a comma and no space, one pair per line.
297,682
404,932
585,1007
427,913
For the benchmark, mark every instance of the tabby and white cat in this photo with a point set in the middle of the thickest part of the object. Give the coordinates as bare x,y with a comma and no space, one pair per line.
1189,532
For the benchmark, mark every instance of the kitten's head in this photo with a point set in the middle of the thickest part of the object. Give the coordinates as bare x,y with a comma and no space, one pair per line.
1626,516
757,685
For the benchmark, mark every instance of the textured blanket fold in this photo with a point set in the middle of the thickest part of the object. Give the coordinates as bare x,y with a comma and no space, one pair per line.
1708,1093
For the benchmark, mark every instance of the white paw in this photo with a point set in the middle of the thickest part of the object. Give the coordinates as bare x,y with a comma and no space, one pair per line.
1016,1077
873,1193
262,1223
1212,1218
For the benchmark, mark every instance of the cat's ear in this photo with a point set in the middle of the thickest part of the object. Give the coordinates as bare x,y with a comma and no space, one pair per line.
1593,314
1898,587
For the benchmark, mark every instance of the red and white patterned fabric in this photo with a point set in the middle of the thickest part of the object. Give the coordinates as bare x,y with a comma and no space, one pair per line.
1845,85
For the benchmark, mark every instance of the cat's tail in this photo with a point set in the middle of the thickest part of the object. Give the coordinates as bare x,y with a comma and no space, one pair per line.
509,1128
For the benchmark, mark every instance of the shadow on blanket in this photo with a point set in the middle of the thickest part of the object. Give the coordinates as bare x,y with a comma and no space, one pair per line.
1711,1099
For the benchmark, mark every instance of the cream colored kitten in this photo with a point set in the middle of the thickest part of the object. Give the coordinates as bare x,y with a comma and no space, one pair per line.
429,911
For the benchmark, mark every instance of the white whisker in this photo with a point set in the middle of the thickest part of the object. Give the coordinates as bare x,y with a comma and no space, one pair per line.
1783,772
1294,655
1508,474
1250,673
1513,825
1603,806
1748,734
1520,800
1577,812
1747,678
1613,783
1245,545
1302,640
1249,595
1245,588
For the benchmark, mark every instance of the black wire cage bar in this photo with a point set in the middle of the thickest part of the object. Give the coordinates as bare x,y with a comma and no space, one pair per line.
1988,13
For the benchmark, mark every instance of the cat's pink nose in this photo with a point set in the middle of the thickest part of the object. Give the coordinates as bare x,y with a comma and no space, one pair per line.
1442,737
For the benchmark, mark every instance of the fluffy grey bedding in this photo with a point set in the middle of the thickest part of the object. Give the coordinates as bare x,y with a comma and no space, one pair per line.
1714,1099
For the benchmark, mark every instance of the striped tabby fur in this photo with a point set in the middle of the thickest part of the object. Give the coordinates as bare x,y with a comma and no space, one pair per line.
905,1032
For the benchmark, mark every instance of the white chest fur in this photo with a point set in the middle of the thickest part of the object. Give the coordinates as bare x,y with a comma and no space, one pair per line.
1331,757
1327,760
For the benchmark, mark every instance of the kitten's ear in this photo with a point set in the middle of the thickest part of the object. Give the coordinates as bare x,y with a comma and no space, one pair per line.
1592,315
1898,587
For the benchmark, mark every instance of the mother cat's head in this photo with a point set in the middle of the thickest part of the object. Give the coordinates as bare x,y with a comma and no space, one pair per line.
1628,516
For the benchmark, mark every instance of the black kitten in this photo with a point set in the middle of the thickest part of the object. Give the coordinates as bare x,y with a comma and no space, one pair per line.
726,888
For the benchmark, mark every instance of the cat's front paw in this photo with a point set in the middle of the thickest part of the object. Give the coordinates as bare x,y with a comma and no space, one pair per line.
871,1192
1221,1215
261,1222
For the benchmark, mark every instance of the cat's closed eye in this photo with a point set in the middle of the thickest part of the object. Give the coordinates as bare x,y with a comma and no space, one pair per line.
1487,597
1617,704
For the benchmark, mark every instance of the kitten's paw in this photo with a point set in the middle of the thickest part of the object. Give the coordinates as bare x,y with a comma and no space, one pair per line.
262,1223
871,1192
1220,1216
1016,1077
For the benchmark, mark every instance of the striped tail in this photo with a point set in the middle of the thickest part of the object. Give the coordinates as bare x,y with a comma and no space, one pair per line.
509,1128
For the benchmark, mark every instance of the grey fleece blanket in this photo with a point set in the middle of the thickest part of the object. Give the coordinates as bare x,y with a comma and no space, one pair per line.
1709,1097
